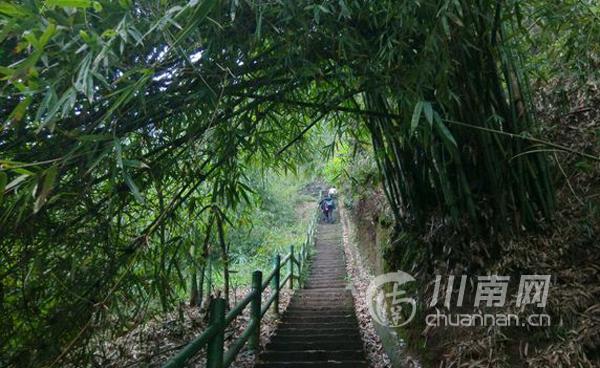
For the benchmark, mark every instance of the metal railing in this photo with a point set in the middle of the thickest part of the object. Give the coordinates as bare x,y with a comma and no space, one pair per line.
214,335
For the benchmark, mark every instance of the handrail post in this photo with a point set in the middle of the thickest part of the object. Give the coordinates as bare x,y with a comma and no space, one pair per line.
291,266
300,262
275,284
254,339
214,351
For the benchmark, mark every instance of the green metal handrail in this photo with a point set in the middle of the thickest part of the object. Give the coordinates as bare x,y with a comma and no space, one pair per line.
214,335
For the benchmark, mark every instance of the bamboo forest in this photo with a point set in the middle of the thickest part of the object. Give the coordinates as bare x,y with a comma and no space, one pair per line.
299,183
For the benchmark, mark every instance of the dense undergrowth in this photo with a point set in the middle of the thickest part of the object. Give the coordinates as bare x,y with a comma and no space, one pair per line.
154,314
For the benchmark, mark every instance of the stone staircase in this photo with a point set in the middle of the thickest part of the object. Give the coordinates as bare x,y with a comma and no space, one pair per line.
319,327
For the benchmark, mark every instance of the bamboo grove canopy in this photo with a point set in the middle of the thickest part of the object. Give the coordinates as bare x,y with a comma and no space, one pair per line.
120,117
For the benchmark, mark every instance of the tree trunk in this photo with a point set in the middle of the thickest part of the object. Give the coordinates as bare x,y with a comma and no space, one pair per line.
201,285
225,259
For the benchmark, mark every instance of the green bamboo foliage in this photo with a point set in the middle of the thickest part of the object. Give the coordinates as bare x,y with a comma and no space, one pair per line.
470,76
120,121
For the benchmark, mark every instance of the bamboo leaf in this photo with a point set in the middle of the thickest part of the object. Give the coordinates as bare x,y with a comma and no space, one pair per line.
428,112
135,163
12,10
19,112
416,116
119,152
18,180
134,188
47,185
70,3
444,132
47,35
7,72
3,181
84,82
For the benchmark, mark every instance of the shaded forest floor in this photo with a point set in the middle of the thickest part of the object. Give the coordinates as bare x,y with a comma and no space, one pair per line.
151,344
566,248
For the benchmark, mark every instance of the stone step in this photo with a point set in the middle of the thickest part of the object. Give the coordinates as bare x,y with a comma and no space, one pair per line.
319,325
309,332
321,265
317,364
323,272
322,337
333,280
311,355
337,277
324,291
313,295
310,313
355,344
347,308
326,267
319,328
323,302
327,274
325,285
304,318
